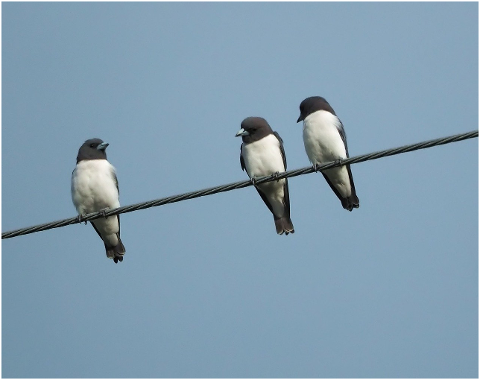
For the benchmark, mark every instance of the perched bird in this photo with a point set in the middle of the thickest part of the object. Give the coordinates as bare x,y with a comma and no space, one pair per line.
95,188
262,154
325,141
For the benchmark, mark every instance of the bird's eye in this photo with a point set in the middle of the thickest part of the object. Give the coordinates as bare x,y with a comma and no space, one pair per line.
92,145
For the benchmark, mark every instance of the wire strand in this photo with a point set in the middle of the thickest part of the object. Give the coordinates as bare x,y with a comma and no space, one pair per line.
239,185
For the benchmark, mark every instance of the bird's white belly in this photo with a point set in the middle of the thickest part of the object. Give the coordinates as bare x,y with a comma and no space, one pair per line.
322,140
93,188
263,157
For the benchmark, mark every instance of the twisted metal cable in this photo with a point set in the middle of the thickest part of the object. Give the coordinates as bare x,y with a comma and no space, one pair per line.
239,185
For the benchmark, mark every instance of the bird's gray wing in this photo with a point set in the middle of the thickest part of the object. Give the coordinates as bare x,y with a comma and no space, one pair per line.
343,135
242,162
265,199
284,157
96,230
286,197
114,177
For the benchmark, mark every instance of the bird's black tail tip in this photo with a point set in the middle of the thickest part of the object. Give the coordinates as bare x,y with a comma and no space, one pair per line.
284,225
350,203
116,253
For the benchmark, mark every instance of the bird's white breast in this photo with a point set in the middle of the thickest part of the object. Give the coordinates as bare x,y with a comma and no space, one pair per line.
263,157
93,186
322,139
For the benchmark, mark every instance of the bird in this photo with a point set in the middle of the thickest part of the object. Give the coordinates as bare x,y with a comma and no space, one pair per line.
95,188
325,140
262,154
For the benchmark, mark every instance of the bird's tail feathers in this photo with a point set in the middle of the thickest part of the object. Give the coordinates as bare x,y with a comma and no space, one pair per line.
350,202
284,225
116,253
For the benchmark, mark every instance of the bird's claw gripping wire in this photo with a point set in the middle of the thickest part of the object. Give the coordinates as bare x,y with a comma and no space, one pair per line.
80,219
337,163
275,176
104,213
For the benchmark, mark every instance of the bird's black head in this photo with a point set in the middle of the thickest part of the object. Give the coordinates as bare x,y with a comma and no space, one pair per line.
254,129
313,104
93,149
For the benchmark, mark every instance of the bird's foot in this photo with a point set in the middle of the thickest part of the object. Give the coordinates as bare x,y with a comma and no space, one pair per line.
80,218
315,167
275,176
253,180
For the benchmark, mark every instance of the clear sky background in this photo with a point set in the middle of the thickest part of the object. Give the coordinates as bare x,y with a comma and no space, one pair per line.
207,288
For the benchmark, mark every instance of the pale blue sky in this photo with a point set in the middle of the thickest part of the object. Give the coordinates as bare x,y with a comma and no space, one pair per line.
207,289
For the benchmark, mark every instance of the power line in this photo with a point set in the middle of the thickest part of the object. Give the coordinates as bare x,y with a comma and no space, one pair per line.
239,185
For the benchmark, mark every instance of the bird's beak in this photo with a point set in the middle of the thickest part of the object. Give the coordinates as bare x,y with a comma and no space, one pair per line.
102,146
300,118
242,132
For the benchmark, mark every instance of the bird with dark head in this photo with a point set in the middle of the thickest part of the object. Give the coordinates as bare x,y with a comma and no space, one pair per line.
262,154
325,141
93,149
94,189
